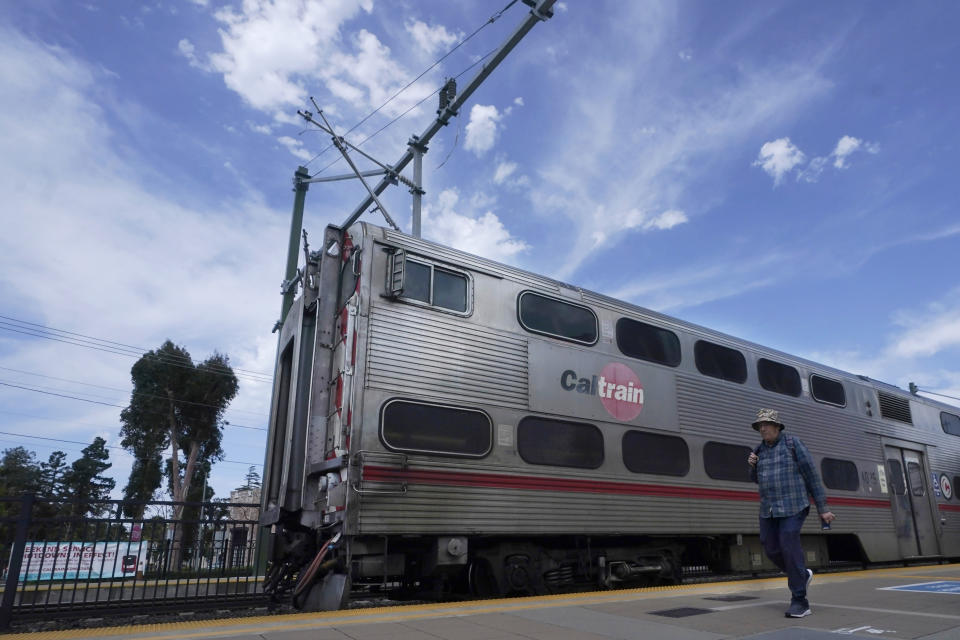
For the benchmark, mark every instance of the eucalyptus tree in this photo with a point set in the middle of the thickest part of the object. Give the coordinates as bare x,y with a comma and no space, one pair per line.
174,423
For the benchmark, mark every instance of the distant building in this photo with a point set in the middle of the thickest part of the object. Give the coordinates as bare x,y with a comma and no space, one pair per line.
243,535
245,495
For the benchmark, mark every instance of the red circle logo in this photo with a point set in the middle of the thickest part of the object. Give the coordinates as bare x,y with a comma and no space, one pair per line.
620,391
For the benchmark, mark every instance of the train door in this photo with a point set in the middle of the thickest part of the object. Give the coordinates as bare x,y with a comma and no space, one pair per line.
909,491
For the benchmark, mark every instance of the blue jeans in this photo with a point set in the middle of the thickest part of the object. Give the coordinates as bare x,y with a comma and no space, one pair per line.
780,538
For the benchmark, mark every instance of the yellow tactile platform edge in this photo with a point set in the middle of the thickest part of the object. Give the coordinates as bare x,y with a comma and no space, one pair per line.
288,622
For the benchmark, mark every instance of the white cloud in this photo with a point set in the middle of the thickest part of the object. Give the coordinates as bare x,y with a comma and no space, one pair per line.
141,266
700,283
431,40
778,158
518,101
482,129
916,338
845,146
503,171
686,55
295,147
277,52
608,226
932,331
188,51
483,235
668,220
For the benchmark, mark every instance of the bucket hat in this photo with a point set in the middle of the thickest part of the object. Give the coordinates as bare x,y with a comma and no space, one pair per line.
767,415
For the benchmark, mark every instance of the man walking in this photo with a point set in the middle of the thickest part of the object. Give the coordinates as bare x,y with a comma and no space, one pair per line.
784,470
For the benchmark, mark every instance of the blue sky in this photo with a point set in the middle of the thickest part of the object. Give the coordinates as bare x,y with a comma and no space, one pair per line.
781,171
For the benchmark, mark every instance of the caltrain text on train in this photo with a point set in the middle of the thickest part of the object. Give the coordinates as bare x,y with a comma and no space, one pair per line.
599,386
617,386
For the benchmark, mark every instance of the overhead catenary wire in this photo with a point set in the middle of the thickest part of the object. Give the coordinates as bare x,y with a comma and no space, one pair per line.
435,92
106,404
942,395
136,393
493,18
25,327
108,446
161,359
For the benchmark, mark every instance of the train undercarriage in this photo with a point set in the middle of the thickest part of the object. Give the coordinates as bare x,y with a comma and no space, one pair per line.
319,571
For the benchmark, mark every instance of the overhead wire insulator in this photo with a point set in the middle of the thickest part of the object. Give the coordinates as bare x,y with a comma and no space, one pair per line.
447,94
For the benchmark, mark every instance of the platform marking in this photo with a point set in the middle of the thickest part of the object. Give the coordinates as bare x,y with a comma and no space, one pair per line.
867,628
940,586
921,614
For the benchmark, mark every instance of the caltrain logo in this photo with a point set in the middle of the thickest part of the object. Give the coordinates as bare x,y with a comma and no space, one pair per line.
617,386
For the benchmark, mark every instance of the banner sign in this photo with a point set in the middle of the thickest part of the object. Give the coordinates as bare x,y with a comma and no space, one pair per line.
82,560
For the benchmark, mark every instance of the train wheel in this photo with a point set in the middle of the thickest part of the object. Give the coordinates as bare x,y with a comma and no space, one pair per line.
481,580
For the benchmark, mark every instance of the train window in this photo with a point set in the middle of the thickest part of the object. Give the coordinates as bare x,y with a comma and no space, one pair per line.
720,362
654,453
559,443
956,487
433,428
552,317
416,282
839,474
897,484
827,391
778,377
915,478
433,285
950,423
449,290
726,461
647,342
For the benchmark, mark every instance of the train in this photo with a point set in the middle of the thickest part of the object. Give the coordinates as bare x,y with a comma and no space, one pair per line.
445,424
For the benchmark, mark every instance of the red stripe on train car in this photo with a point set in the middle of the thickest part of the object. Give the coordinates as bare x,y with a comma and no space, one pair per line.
537,483
949,507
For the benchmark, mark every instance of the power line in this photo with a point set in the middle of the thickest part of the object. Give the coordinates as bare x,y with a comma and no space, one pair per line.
488,22
136,393
108,342
108,446
107,404
109,346
435,92
161,359
934,393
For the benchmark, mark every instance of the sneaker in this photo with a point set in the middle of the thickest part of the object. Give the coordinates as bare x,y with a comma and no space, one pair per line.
809,578
798,609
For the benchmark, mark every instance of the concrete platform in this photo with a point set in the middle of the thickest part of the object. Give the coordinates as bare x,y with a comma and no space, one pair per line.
920,602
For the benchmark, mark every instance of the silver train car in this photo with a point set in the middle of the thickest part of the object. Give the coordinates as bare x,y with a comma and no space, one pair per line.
446,424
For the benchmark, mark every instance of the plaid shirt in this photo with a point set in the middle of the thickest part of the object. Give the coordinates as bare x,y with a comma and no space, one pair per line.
785,480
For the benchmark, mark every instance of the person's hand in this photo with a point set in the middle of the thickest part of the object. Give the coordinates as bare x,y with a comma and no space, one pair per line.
828,517
752,461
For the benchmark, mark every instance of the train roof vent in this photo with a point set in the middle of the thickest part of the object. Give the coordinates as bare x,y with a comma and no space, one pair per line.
895,408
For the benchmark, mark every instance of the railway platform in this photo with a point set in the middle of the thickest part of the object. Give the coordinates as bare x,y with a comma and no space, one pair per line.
918,602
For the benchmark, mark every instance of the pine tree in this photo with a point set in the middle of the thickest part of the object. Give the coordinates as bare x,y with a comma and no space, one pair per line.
51,476
84,482
19,472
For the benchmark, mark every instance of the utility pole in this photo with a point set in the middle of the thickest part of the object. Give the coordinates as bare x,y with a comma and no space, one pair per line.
542,10
289,287
417,188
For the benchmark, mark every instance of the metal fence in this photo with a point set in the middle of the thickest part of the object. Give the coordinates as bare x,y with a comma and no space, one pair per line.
66,558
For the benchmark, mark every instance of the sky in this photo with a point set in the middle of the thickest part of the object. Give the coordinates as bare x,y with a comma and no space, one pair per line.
783,172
